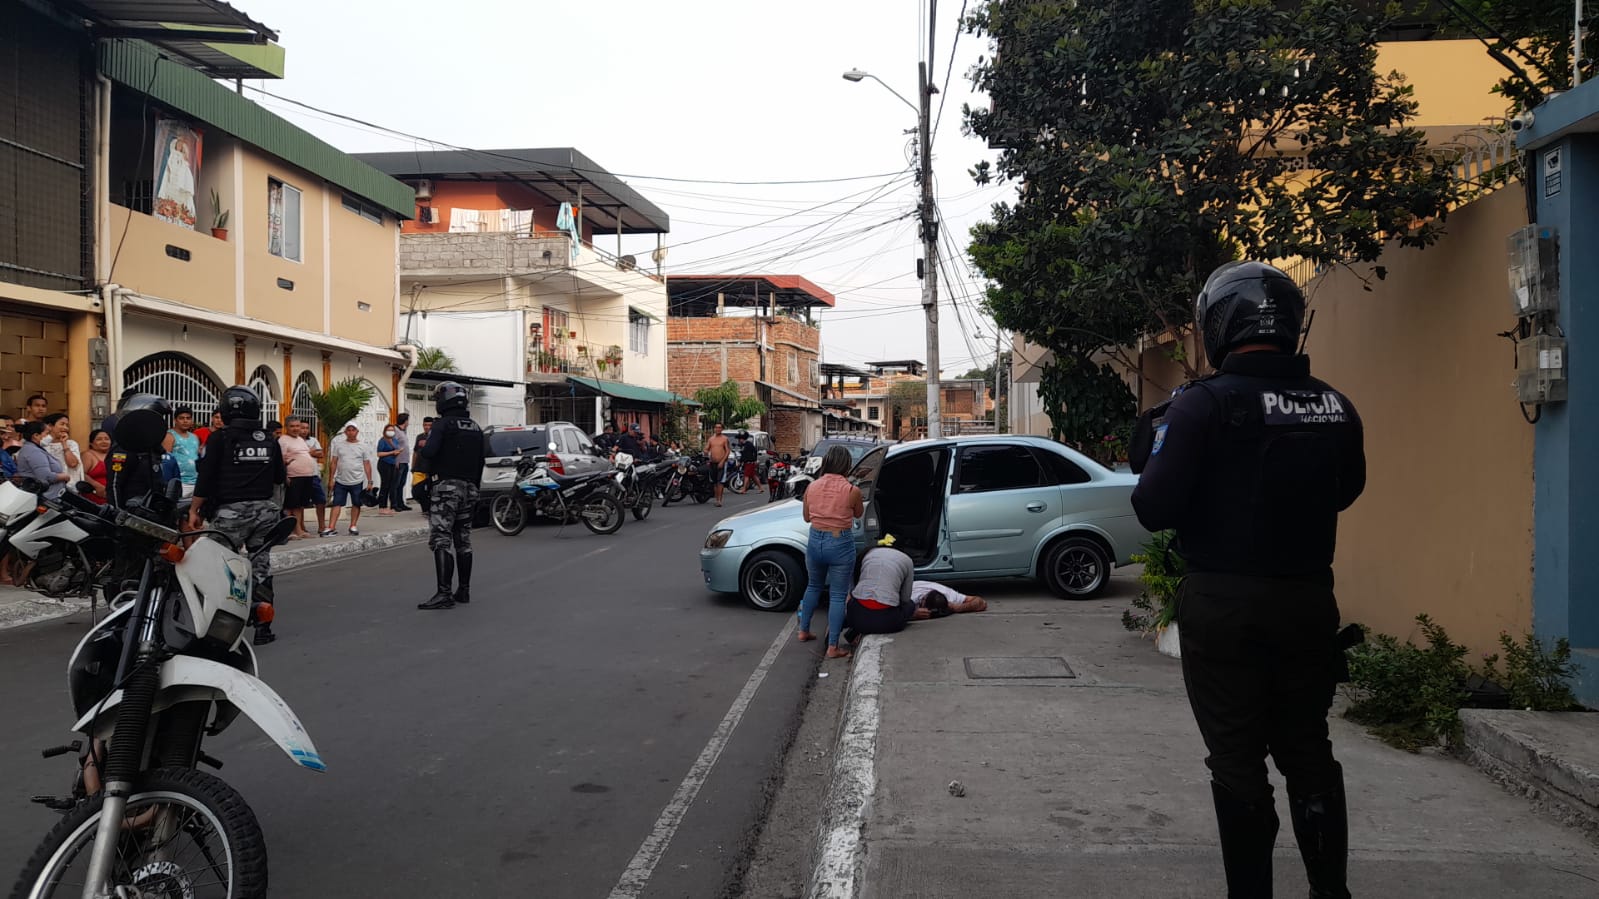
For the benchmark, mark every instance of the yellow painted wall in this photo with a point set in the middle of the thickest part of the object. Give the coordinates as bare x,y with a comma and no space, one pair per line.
1445,525
263,298
363,261
1452,80
204,280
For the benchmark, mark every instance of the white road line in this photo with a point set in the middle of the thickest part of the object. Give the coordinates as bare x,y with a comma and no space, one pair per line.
849,798
637,875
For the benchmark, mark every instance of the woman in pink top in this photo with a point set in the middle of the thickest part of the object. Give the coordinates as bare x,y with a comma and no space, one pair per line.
831,506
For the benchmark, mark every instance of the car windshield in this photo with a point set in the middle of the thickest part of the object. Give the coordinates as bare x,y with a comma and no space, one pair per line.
506,443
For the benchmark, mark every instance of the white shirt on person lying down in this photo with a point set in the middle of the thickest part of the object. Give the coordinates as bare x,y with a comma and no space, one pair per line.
920,590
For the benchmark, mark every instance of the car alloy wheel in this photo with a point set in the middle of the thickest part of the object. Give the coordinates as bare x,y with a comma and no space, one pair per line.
1076,568
772,581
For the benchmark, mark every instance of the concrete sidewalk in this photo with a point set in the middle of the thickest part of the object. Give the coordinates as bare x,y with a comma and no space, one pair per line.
1094,784
19,607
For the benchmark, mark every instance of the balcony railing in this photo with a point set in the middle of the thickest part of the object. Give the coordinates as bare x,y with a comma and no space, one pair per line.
502,253
566,359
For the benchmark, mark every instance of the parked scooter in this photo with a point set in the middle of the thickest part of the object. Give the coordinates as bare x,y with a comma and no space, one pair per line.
635,484
168,668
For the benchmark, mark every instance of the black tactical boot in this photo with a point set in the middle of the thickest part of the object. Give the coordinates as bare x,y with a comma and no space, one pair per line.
1248,832
444,565
1321,827
463,566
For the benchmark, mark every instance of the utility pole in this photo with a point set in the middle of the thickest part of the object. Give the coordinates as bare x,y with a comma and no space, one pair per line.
998,373
929,217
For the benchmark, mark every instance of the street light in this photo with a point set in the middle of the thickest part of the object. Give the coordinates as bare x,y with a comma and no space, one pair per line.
929,228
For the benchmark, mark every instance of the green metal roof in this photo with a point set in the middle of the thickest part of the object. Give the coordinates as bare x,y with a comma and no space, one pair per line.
136,65
631,391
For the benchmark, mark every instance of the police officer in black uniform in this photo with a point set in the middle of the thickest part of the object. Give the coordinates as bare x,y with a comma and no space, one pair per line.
233,491
133,473
1251,466
454,464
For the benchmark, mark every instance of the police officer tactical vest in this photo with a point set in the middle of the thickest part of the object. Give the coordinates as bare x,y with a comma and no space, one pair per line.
460,452
249,456
1281,458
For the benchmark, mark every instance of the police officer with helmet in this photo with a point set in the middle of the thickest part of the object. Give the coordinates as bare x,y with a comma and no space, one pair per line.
133,467
236,477
1251,467
454,464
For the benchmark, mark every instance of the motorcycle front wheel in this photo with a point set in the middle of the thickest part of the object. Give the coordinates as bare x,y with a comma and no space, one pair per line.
646,502
508,514
602,513
185,833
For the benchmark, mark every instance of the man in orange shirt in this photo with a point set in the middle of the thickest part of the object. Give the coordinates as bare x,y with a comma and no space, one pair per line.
718,449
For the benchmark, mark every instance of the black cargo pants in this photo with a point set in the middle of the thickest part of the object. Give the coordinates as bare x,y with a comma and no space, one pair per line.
1260,661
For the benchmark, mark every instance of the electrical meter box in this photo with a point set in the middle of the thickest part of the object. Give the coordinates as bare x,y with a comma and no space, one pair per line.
1541,369
1534,271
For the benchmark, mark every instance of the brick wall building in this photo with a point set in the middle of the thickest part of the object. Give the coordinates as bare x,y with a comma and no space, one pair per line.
772,352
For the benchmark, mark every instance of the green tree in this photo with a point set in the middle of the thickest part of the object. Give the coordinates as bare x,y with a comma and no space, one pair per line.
724,403
338,405
1532,39
1154,140
432,358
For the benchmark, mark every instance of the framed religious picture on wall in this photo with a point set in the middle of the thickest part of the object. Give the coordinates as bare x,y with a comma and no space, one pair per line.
177,170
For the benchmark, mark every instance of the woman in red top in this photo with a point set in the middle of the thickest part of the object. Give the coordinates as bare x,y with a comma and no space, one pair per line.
832,504
94,463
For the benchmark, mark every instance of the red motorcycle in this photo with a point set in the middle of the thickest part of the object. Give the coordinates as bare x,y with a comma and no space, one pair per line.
777,479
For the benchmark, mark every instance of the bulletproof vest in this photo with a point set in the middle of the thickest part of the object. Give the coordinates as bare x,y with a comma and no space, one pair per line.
130,476
460,451
250,460
1272,497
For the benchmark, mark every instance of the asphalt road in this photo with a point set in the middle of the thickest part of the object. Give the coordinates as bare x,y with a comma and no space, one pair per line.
525,745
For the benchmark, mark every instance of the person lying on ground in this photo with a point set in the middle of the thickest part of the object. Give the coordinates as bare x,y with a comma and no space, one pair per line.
934,600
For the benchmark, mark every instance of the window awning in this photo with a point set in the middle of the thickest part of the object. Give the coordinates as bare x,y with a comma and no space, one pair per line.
633,392
645,312
439,377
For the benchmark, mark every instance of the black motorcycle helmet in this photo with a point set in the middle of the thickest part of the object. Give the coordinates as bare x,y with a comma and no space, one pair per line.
1249,302
239,404
141,422
450,397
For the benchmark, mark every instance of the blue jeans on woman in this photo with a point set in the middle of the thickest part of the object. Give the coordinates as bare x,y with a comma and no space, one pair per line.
829,560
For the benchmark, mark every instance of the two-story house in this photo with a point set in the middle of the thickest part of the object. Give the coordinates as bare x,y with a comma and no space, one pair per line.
500,269
295,290
757,331
169,235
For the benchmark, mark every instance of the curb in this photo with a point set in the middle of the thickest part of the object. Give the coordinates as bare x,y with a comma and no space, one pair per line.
840,848
32,611
291,559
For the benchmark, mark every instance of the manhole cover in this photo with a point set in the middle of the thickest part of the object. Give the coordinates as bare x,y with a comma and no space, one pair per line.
999,667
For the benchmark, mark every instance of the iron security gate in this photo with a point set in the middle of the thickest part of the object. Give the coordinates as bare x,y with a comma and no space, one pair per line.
178,379
300,404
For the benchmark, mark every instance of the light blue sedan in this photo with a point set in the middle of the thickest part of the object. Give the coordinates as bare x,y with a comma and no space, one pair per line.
962,508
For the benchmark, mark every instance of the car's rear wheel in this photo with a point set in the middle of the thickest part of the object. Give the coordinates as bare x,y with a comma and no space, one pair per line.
772,581
1075,568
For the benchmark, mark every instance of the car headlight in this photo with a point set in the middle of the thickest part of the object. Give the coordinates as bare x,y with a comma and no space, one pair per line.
718,539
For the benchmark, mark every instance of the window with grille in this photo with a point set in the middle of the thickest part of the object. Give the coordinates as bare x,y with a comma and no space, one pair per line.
793,367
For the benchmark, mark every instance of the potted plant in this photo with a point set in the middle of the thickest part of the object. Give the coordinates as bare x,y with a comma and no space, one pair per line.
1157,605
219,220
613,355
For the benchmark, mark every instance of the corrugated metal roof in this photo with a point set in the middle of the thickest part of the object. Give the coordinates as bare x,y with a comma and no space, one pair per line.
224,43
623,391
557,172
136,65
164,12
741,290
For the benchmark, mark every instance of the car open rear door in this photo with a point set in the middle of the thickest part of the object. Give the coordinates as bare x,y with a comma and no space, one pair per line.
864,476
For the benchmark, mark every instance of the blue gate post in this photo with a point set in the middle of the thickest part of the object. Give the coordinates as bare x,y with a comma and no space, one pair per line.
1563,182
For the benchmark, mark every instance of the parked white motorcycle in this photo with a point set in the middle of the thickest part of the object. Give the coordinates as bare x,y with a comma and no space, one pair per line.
66,558
168,668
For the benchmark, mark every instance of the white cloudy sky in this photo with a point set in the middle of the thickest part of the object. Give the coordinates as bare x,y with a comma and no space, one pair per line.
708,90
